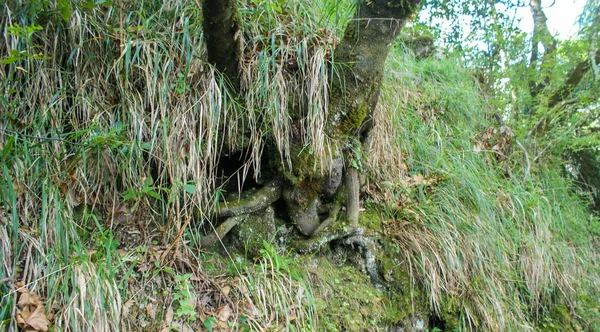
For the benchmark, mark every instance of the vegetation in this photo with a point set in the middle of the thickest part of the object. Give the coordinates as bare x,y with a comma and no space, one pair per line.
177,166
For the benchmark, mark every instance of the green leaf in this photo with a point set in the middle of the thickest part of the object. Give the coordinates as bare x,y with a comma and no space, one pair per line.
129,194
65,9
189,188
154,194
208,323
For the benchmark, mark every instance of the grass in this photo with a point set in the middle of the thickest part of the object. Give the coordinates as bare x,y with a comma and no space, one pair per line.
111,128
112,123
486,241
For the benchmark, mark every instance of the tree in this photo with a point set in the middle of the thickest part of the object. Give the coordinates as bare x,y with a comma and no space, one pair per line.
358,62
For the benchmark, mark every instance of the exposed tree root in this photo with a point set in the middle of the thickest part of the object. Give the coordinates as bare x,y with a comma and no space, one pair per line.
257,201
334,209
221,231
351,238
352,203
238,211
314,244
369,247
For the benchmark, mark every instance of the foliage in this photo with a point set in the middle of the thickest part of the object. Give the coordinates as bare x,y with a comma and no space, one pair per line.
112,125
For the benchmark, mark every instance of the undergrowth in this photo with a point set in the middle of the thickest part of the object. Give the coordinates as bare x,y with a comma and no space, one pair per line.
493,237
111,129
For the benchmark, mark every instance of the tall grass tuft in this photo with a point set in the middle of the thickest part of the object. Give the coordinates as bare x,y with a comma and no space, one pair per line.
485,240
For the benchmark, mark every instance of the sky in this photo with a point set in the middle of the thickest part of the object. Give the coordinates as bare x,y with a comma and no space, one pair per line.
562,17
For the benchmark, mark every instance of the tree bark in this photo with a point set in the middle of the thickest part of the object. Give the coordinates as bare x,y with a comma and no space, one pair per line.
353,201
593,46
222,35
541,35
573,79
359,61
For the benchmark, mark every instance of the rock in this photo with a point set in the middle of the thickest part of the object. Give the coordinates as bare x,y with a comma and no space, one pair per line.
258,227
302,206
333,179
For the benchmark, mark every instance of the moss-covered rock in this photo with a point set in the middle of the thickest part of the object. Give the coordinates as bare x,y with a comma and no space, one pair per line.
256,228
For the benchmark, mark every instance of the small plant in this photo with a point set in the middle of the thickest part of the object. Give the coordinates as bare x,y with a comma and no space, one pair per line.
180,84
184,298
25,33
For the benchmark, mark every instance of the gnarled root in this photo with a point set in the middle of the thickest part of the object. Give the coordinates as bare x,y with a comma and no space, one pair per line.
238,211
369,247
264,197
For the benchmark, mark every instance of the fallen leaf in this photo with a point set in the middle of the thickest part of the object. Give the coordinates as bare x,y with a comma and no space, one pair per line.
35,320
186,328
225,290
150,310
415,180
224,313
28,298
169,316
127,307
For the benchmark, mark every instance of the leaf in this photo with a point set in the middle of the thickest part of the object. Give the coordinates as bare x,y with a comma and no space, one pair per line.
208,323
225,313
415,180
151,310
65,9
225,290
35,320
28,299
169,316
127,306
154,194
189,188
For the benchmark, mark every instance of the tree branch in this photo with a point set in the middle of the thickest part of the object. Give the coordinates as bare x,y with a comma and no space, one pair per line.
257,201
573,79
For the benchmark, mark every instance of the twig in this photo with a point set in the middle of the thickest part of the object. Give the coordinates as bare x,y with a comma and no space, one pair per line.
42,138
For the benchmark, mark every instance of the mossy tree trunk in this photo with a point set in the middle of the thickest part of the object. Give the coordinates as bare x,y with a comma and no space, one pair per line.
359,61
222,35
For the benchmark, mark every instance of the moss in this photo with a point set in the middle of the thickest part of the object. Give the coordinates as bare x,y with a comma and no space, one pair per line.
450,314
405,295
370,219
560,319
346,299
355,118
252,232
303,166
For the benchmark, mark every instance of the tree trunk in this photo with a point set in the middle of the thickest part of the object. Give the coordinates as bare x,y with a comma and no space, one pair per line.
222,35
573,79
359,63
541,34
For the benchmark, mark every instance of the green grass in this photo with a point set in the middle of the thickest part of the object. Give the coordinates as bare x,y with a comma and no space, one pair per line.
501,248
110,116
